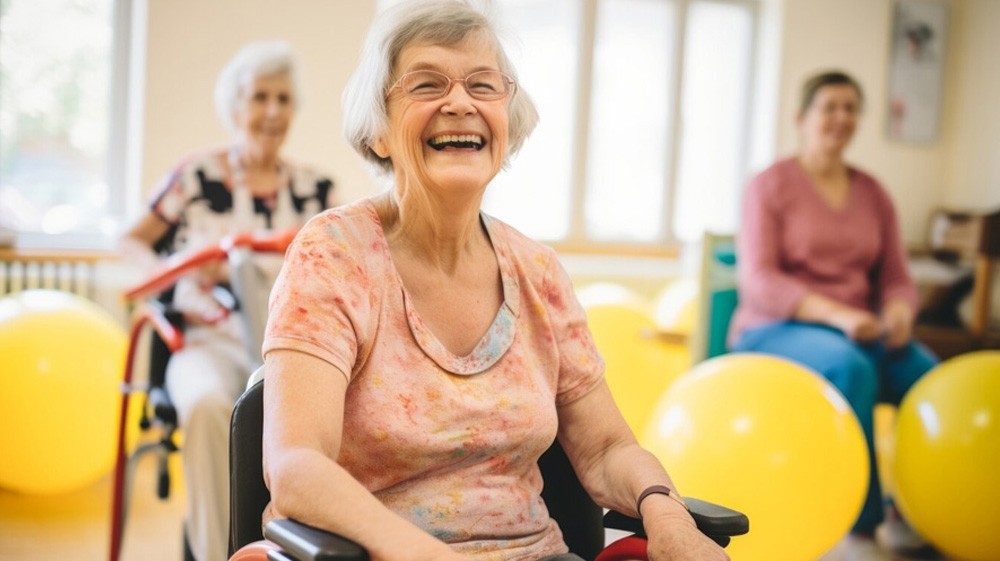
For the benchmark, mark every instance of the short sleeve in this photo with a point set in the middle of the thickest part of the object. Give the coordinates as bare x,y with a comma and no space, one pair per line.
171,197
319,304
581,367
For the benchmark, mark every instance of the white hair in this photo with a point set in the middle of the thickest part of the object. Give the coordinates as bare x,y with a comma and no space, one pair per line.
260,58
440,22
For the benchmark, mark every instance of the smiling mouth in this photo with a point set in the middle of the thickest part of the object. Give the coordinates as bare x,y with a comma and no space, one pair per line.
457,141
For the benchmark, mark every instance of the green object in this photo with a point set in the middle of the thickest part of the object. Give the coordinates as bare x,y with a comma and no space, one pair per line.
722,307
718,296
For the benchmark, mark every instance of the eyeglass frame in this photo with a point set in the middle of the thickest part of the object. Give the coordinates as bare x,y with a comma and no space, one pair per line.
511,82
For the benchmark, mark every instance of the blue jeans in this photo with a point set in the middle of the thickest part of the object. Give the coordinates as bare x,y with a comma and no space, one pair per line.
865,373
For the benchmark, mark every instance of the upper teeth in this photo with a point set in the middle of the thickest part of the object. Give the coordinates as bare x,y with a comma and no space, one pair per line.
457,138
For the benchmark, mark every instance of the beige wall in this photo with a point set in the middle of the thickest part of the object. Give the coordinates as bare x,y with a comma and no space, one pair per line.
971,177
188,42
961,168
853,35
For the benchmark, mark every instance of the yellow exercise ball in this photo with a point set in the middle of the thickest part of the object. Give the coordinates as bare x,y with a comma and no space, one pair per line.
609,294
59,398
675,308
638,366
769,438
885,446
948,456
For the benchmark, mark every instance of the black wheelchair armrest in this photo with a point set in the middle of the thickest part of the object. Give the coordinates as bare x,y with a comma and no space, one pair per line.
306,543
715,521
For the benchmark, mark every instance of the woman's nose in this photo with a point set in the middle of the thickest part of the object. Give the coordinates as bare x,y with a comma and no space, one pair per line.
274,107
458,101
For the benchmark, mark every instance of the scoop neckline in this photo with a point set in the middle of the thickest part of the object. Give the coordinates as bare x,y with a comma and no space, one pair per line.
819,198
497,339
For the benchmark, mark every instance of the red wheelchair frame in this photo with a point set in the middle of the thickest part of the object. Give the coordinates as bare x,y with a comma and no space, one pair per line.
149,313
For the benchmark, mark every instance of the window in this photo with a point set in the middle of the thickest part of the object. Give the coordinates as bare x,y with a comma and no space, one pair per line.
645,109
536,193
61,122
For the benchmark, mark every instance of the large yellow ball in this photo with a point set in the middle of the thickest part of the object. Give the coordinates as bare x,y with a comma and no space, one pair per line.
948,456
638,366
885,446
676,307
59,398
771,439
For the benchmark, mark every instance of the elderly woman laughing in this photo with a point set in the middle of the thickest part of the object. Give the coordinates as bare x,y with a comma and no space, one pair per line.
421,355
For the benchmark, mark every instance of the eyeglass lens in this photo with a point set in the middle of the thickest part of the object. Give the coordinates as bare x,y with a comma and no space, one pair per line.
428,85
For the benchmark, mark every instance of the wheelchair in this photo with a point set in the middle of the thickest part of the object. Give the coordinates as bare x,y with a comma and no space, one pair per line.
153,314
582,521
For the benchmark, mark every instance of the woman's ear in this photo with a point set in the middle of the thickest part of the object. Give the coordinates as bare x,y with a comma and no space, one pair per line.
380,148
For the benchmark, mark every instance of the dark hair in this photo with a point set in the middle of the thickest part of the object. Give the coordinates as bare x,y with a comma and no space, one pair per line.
834,78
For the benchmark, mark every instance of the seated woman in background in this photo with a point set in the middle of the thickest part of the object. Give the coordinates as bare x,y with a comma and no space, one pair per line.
823,278
247,186
420,355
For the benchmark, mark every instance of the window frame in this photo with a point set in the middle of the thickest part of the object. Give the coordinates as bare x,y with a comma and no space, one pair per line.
667,243
120,164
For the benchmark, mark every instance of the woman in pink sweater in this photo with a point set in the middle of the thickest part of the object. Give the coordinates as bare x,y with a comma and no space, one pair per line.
823,277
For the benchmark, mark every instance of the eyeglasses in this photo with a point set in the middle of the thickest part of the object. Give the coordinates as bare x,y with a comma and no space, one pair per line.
428,85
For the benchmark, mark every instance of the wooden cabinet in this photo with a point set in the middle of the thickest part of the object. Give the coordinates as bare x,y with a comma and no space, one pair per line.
957,274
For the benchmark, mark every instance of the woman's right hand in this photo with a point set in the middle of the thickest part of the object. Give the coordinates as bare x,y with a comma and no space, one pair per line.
858,325
673,535
197,303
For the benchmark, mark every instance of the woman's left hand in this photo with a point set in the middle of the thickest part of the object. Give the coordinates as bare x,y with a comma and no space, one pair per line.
897,323
673,536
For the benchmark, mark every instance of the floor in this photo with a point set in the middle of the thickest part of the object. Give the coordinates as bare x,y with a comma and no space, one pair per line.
77,525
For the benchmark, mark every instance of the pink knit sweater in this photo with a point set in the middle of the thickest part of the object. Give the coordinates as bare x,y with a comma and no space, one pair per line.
792,243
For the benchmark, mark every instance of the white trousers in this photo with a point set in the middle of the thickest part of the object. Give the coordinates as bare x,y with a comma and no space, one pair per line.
204,380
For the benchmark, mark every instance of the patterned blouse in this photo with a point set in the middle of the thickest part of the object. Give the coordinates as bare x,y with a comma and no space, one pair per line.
196,199
448,442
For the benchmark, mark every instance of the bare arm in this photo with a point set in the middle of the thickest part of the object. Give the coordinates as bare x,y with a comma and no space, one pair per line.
615,470
192,295
136,246
303,427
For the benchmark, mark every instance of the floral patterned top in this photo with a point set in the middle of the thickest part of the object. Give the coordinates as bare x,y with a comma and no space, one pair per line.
447,442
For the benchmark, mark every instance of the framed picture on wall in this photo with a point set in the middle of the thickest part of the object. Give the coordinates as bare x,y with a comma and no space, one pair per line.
916,69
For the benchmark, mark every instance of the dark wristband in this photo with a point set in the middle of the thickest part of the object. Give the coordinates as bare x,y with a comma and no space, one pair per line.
658,490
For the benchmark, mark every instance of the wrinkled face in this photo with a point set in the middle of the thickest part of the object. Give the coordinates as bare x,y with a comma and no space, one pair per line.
455,142
829,122
264,112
